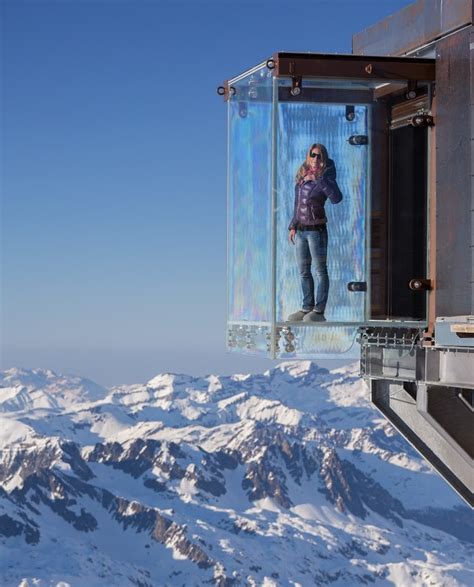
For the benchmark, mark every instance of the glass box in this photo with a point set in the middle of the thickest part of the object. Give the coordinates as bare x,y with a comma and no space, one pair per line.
326,145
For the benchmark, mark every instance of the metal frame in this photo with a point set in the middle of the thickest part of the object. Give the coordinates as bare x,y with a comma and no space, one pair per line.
275,94
350,67
354,67
275,337
415,439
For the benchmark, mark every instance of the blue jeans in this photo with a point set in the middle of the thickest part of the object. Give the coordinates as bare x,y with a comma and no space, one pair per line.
312,248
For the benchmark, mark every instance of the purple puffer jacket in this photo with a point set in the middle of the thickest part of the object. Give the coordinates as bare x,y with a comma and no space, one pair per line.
310,197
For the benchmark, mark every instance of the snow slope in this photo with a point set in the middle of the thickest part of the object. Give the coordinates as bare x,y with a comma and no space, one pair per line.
289,477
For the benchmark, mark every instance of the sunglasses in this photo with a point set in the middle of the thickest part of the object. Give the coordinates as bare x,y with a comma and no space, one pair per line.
313,155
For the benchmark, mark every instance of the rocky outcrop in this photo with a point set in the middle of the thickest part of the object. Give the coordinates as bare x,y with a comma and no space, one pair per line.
238,476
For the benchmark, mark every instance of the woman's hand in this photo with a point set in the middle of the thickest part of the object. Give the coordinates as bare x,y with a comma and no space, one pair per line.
291,236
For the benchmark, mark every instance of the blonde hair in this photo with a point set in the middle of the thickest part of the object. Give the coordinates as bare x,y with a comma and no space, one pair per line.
306,164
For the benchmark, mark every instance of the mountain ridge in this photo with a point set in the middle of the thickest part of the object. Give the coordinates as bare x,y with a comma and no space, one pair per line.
288,477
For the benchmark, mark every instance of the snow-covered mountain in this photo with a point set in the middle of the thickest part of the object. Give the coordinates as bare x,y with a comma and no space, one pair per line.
284,478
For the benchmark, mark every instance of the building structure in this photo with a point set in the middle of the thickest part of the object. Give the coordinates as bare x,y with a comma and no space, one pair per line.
397,117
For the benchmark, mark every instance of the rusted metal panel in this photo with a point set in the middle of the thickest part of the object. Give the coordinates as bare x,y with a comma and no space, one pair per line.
453,185
432,239
353,67
471,46
454,14
410,28
472,240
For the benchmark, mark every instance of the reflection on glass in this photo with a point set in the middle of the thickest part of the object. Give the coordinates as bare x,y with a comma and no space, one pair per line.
249,339
328,342
249,227
296,221
312,276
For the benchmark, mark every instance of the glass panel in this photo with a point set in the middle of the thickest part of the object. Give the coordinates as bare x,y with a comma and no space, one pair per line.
330,242
249,205
249,339
348,273
307,342
397,363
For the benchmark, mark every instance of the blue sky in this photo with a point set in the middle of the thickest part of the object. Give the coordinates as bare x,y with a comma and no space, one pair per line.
114,174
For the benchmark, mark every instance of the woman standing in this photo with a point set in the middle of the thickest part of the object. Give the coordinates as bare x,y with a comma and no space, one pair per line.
315,183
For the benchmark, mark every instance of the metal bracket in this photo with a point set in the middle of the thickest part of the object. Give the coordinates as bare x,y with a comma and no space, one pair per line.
358,140
357,286
381,336
350,113
296,85
411,90
418,284
289,339
242,336
226,91
422,120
